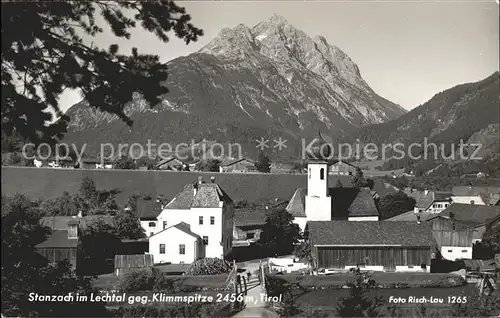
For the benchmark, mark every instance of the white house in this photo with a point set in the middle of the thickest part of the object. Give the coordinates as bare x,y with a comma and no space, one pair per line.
209,212
176,244
319,202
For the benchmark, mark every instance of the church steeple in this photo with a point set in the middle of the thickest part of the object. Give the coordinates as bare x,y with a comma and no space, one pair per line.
320,150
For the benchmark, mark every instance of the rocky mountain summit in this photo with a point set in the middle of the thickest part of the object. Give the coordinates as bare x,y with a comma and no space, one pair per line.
271,80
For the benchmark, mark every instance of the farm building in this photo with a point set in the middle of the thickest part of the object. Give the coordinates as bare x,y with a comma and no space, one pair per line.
378,246
170,163
125,264
430,201
95,163
458,227
248,225
339,167
238,165
62,243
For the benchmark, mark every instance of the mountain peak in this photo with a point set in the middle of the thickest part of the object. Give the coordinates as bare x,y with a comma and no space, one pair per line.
277,19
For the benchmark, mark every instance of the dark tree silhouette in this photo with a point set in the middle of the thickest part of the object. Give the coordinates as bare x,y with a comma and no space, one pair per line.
44,52
279,233
395,204
263,164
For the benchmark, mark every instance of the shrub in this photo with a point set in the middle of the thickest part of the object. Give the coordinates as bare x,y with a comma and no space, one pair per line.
209,266
147,280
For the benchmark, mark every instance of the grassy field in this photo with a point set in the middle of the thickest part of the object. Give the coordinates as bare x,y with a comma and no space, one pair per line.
109,281
382,278
50,183
328,298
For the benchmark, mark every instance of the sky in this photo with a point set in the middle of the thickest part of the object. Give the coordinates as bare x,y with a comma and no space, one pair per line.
407,51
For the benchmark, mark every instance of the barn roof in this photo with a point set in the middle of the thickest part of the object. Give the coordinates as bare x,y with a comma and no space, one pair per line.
58,239
346,202
471,214
359,233
208,195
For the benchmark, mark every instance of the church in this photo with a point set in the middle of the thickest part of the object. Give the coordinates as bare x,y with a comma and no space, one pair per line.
320,202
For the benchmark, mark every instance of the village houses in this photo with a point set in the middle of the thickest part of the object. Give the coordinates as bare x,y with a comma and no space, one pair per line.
196,223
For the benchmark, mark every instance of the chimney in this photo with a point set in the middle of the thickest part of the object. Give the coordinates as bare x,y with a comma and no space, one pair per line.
73,230
212,179
195,187
80,214
426,192
415,210
418,219
200,180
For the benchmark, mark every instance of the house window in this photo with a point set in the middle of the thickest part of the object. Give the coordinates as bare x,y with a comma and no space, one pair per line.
164,224
201,220
152,224
449,251
250,236
205,240
464,251
309,173
410,266
424,266
212,220
182,249
322,173
162,248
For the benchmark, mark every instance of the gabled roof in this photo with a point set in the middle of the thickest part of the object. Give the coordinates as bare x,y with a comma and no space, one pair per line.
359,233
471,214
336,161
411,216
58,239
383,188
422,200
297,204
147,209
61,222
184,227
229,162
208,195
346,202
167,160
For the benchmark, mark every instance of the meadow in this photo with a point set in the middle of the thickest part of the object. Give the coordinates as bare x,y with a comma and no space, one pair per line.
49,183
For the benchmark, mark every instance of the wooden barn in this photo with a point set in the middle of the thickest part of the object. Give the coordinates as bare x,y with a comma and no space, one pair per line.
378,246
458,227
126,263
61,245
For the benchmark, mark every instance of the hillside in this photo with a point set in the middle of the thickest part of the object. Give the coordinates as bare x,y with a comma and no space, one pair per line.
271,80
468,113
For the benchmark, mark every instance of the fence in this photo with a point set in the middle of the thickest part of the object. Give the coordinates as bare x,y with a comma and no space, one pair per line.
126,263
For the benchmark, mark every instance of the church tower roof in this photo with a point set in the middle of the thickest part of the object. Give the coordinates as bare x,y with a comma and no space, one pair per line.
321,150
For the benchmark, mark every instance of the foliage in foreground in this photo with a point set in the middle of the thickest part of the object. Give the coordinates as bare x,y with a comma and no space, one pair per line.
209,266
195,309
44,53
153,279
24,271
